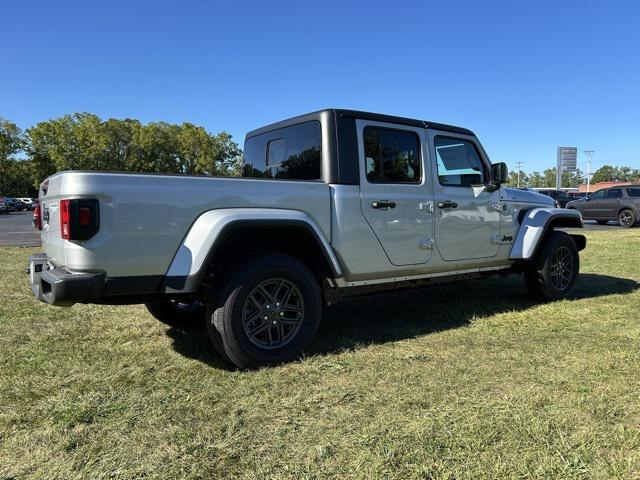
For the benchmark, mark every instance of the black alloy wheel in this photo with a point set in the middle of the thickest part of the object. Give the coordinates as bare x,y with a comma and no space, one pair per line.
273,313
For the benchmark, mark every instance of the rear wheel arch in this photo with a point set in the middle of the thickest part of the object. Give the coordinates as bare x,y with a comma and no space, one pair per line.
296,239
234,239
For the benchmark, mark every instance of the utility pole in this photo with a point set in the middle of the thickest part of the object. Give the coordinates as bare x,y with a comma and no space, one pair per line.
519,167
588,153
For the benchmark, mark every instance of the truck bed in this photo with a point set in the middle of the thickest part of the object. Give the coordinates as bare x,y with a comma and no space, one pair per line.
144,217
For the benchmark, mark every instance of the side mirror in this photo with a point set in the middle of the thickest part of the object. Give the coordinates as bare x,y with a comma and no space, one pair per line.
499,173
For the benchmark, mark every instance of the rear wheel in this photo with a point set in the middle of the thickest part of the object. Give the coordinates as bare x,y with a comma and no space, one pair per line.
627,218
177,314
553,273
270,312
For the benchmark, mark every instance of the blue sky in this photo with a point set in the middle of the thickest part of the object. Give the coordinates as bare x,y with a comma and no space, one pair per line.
525,76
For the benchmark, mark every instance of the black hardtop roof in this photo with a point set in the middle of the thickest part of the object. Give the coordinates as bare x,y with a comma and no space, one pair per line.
377,117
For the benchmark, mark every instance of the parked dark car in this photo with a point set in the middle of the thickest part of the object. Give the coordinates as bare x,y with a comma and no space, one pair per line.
561,197
10,205
18,206
620,204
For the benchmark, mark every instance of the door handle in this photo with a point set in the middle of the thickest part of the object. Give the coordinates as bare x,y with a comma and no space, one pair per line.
386,204
447,204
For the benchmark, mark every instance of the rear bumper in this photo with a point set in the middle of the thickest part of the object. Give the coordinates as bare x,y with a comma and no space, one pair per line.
58,286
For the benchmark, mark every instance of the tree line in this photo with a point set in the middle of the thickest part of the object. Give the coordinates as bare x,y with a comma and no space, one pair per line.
547,178
82,141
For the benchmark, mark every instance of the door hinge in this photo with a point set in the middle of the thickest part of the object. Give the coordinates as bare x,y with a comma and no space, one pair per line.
499,207
500,239
426,206
426,244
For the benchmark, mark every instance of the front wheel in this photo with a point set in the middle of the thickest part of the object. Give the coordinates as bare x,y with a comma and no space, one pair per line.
627,218
268,312
553,273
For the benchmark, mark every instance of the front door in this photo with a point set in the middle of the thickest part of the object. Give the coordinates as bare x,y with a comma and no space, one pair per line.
593,207
395,193
467,216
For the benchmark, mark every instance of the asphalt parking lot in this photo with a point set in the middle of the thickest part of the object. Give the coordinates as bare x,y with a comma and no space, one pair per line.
16,229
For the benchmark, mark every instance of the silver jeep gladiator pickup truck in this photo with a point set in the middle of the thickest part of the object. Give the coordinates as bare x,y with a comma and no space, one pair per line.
332,203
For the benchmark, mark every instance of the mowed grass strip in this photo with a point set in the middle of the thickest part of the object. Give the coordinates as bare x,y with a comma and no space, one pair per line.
469,380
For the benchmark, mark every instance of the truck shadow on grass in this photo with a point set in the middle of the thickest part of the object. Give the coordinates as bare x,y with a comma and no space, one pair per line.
386,317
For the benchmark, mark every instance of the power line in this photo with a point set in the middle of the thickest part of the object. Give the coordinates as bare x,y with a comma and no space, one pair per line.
588,153
519,167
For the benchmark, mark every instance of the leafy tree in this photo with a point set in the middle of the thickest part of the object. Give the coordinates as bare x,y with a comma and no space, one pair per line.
156,149
11,139
513,179
226,158
547,179
608,173
535,179
15,173
83,141
119,148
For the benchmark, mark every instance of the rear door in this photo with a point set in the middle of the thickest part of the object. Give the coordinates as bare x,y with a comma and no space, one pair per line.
395,193
612,203
467,216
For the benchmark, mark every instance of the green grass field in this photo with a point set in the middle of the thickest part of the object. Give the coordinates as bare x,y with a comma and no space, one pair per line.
469,380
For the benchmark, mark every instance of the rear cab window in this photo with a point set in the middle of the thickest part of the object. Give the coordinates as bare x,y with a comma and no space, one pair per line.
290,153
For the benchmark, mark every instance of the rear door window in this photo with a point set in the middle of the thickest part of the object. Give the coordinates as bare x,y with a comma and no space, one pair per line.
391,156
615,193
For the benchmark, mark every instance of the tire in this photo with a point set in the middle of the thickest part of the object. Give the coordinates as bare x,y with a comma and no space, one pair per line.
559,254
602,222
269,311
627,218
177,314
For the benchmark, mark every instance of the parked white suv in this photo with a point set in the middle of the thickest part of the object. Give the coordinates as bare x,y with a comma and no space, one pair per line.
28,202
333,203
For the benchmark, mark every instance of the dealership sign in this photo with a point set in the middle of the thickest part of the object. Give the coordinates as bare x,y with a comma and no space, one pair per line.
567,159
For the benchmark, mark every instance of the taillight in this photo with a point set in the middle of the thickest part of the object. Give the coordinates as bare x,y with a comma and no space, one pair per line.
79,218
37,217
65,221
